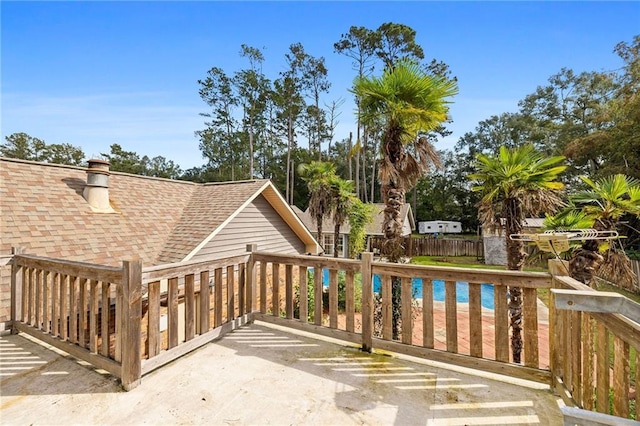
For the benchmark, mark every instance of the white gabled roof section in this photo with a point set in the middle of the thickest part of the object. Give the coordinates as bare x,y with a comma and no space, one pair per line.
272,195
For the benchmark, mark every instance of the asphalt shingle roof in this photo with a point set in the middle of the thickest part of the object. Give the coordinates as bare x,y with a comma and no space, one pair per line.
158,220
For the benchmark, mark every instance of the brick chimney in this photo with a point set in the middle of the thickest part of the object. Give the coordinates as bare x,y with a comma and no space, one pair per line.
96,192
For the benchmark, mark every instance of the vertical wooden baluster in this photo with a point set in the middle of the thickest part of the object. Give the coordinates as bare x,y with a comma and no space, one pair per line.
288,291
407,310
93,316
153,328
73,309
205,310
530,329
217,300
104,319
64,301
304,294
475,320
275,285
190,307
387,308
333,298
172,307
231,301
350,304
501,323
427,314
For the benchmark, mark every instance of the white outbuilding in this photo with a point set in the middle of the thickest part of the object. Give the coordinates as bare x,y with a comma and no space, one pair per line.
439,226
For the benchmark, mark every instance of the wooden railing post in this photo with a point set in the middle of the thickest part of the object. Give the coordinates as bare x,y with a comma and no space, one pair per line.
16,289
556,267
251,278
131,323
367,302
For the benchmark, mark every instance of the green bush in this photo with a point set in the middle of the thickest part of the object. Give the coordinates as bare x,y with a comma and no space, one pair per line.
342,298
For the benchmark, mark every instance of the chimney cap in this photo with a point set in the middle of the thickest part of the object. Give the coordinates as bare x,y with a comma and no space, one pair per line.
98,166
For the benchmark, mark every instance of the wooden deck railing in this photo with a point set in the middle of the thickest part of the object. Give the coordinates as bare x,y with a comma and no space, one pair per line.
595,342
129,321
189,304
89,311
281,303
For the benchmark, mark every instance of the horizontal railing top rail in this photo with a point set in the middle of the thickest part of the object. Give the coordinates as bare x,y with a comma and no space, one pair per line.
309,261
90,271
621,325
492,276
171,270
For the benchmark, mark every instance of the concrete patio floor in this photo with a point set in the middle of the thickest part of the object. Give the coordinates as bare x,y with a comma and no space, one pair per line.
261,374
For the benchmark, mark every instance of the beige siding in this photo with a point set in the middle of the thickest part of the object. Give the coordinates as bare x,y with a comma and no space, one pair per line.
257,224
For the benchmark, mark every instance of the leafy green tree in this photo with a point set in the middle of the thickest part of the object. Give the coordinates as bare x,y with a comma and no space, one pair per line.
359,44
397,42
64,153
220,139
289,104
161,167
605,202
516,184
25,147
445,194
342,199
410,103
612,146
320,177
125,161
360,215
253,88
312,75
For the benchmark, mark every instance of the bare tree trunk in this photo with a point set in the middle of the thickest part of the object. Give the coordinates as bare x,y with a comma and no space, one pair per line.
289,143
364,165
293,179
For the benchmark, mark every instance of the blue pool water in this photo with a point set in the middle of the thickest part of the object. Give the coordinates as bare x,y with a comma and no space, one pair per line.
462,289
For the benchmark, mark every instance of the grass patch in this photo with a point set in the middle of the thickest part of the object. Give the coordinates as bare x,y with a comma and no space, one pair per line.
604,286
465,262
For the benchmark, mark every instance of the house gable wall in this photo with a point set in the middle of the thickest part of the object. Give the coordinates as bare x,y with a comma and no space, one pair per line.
258,223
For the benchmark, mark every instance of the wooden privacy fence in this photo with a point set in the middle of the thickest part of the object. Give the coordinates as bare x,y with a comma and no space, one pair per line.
429,246
595,341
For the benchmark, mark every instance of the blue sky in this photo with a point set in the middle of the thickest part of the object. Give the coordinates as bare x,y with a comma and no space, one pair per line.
96,73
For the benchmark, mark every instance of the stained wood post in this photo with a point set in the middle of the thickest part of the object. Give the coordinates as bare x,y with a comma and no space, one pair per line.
367,302
131,323
252,277
16,288
556,268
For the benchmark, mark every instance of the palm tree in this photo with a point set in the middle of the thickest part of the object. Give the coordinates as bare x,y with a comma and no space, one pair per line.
605,201
515,184
409,103
319,176
342,194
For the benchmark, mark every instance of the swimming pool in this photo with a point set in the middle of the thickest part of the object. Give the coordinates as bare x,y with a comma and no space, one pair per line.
462,289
